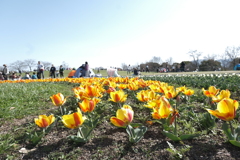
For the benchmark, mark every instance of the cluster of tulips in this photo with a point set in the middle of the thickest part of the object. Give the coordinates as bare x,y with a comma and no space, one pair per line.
162,100
225,110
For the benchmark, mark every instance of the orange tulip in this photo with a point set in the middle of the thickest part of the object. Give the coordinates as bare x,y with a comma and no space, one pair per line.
88,105
124,116
118,96
44,121
226,109
58,99
74,120
111,89
212,91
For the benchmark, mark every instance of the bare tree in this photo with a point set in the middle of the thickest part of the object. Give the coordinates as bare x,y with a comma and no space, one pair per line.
195,55
156,60
30,63
65,65
210,57
47,65
232,53
169,60
18,65
124,66
225,62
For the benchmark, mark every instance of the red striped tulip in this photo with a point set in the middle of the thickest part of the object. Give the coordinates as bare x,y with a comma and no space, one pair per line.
123,117
44,121
74,120
226,109
58,99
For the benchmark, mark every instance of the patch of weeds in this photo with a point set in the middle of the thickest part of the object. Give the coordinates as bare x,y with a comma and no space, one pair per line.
177,153
7,143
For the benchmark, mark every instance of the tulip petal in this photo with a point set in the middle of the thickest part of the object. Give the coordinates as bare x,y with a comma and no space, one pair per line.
117,122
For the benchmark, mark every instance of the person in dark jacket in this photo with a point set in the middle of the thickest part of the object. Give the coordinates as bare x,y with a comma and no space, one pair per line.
52,71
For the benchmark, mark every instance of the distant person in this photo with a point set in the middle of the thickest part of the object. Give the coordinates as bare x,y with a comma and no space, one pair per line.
182,67
78,72
147,68
40,70
34,76
129,69
57,73
173,68
14,76
87,71
61,69
237,67
5,72
26,76
71,74
52,71
135,72
1,76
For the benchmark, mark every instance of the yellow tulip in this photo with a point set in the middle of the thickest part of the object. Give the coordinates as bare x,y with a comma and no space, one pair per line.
162,110
124,116
118,96
170,92
181,89
226,109
58,99
212,91
223,94
122,86
74,120
92,91
146,95
133,86
188,92
89,105
44,121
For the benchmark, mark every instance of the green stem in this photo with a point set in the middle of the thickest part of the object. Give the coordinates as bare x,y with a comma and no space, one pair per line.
61,110
119,105
175,119
231,127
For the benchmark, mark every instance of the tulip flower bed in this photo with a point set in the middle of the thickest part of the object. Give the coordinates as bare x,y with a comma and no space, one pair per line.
164,117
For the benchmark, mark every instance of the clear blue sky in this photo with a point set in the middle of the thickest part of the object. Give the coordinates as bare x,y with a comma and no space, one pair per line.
112,32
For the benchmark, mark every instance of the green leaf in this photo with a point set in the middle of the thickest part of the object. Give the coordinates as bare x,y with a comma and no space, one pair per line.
188,136
235,143
171,136
227,131
135,135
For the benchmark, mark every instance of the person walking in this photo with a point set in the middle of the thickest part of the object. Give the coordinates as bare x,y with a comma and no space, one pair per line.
5,72
40,70
147,69
52,71
129,69
61,69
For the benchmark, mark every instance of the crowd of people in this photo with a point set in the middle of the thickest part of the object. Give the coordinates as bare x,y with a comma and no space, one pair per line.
81,71
5,74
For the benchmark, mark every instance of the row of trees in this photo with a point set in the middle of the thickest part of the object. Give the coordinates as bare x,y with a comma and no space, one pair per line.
225,61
